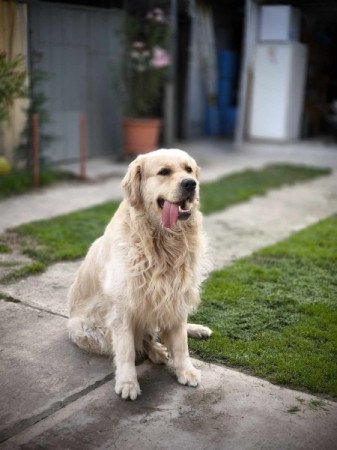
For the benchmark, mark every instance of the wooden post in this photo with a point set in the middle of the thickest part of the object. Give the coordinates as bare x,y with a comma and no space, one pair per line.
83,145
36,151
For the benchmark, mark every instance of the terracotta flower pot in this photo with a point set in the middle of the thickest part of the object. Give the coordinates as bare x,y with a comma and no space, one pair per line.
140,135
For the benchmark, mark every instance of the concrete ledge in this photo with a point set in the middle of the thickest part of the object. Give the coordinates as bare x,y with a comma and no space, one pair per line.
40,368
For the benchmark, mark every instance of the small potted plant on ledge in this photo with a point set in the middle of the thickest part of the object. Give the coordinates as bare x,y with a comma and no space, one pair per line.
144,71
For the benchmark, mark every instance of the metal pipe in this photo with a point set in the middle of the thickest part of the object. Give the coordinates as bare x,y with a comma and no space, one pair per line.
83,145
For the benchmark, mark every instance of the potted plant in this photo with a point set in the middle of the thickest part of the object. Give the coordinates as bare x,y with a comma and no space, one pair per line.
145,63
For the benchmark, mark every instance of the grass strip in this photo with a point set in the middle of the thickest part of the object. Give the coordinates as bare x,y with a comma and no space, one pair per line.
241,186
18,182
4,248
275,313
65,237
30,269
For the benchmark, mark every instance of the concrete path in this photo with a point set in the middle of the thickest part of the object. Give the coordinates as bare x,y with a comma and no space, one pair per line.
214,156
40,370
55,396
63,398
229,411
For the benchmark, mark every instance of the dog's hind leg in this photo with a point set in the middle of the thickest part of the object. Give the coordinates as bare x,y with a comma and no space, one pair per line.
198,331
89,337
155,351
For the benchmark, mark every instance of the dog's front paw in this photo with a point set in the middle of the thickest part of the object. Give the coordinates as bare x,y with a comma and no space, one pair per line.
189,377
127,389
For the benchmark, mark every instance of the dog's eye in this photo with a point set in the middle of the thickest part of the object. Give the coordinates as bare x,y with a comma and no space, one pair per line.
164,172
188,169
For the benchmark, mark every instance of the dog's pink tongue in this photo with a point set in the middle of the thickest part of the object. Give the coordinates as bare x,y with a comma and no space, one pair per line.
169,215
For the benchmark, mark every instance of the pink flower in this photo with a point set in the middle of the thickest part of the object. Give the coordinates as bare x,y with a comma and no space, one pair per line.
157,14
160,58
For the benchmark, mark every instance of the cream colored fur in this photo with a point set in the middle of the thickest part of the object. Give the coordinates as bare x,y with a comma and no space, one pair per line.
140,281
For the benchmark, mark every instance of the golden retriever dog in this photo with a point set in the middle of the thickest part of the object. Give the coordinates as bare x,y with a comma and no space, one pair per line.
140,280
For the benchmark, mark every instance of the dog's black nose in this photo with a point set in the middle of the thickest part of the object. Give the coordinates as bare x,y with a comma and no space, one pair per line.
188,184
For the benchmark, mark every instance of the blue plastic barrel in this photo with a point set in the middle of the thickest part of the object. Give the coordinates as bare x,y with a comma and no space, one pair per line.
225,93
227,120
211,120
227,64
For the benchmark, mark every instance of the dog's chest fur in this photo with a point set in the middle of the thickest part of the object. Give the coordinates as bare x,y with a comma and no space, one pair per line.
165,276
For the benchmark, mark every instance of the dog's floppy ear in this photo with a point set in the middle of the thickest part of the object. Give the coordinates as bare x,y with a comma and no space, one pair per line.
198,172
132,183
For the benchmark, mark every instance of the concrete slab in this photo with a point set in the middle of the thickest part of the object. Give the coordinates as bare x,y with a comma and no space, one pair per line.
230,410
48,290
53,201
97,168
40,368
217,157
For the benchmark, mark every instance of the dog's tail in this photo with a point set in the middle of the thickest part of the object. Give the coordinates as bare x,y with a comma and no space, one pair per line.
198,331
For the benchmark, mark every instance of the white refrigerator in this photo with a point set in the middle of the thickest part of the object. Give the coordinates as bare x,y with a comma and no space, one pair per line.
278,91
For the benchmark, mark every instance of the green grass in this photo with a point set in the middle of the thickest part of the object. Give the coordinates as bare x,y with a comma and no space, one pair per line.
30,269
241,186
275,313
65,237
68,237
318,405
18,182
8,263
4,248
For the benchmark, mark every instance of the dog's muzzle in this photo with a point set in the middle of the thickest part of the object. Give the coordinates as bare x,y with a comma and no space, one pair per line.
180,210
188,184
188,187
